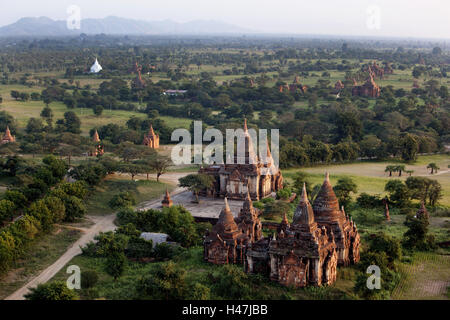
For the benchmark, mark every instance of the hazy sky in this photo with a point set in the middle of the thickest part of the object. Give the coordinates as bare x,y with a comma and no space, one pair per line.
406,18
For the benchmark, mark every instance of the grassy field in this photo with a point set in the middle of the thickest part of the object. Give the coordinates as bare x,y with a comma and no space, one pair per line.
143,190
23,111
371,178
427,277
37,257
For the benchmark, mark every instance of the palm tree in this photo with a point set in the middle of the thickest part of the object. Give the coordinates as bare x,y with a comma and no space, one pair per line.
400,168
433,166
389,169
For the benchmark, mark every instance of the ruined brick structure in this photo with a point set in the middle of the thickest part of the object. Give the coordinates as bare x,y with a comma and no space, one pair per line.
238,177
304,252
7,137
338,86
151,139
422,212
99,150
368,89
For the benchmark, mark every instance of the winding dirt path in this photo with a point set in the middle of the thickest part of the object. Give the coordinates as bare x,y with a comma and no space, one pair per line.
101,224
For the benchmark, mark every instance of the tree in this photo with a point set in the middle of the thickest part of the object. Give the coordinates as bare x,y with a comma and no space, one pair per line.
15,94
433,166
196,183
409,147
47,114
132,169
399,194
301,178
121,200
70,123
167,282
344,187
98,110
399,169
56,290
7,209
390,169
159,164
416,236
115,265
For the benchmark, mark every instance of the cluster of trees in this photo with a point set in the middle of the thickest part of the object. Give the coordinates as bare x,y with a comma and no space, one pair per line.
31,209
420,188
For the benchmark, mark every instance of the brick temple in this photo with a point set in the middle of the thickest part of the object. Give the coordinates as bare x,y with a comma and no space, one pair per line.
301,253
151,139
251,175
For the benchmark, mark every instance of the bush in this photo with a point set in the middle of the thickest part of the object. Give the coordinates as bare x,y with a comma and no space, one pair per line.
368,201
122,200
89,279
57,290
230,283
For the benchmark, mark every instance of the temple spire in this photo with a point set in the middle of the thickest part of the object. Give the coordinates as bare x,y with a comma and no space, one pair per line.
245,125
304,196
304,214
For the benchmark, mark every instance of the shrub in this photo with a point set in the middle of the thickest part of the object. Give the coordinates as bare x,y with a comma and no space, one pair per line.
57,290
365,200
122,200
89,279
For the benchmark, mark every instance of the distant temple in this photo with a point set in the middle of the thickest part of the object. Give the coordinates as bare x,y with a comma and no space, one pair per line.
422,212
96,67
7,137
368,89
137,81
151,139
99,150
338,86
293,87
234,180
304,252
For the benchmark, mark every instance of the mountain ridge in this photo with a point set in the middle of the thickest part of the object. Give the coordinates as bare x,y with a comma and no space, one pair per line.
44,26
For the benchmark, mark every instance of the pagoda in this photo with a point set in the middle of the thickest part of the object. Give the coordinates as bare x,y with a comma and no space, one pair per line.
151,139
99,150
7,137
167,202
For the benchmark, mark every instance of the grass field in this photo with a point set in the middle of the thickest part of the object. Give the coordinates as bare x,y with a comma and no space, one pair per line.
371,178
37,257
427,277
23,111
143,190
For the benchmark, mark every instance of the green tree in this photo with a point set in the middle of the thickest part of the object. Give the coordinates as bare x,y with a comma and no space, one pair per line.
196,183
343,189
116,263
434,167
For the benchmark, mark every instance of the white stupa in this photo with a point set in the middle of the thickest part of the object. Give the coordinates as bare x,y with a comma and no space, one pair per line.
96,67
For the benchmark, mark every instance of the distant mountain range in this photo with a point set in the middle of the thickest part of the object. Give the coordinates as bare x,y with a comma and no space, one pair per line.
44,26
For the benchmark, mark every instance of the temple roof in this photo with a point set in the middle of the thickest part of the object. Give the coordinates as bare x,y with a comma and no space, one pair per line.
326,203
304,213
96,67
96,138
226,224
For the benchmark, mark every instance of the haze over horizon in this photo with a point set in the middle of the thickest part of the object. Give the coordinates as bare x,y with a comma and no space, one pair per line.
383,18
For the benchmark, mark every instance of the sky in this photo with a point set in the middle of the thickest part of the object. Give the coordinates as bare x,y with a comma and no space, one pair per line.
399,18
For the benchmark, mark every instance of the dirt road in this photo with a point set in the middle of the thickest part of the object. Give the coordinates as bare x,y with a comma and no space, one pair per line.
101,224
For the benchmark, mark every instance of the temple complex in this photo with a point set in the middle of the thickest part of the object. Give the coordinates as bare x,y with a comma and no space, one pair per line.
301,253
7,137
151,139
368,89
99,150
248,175
294,86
